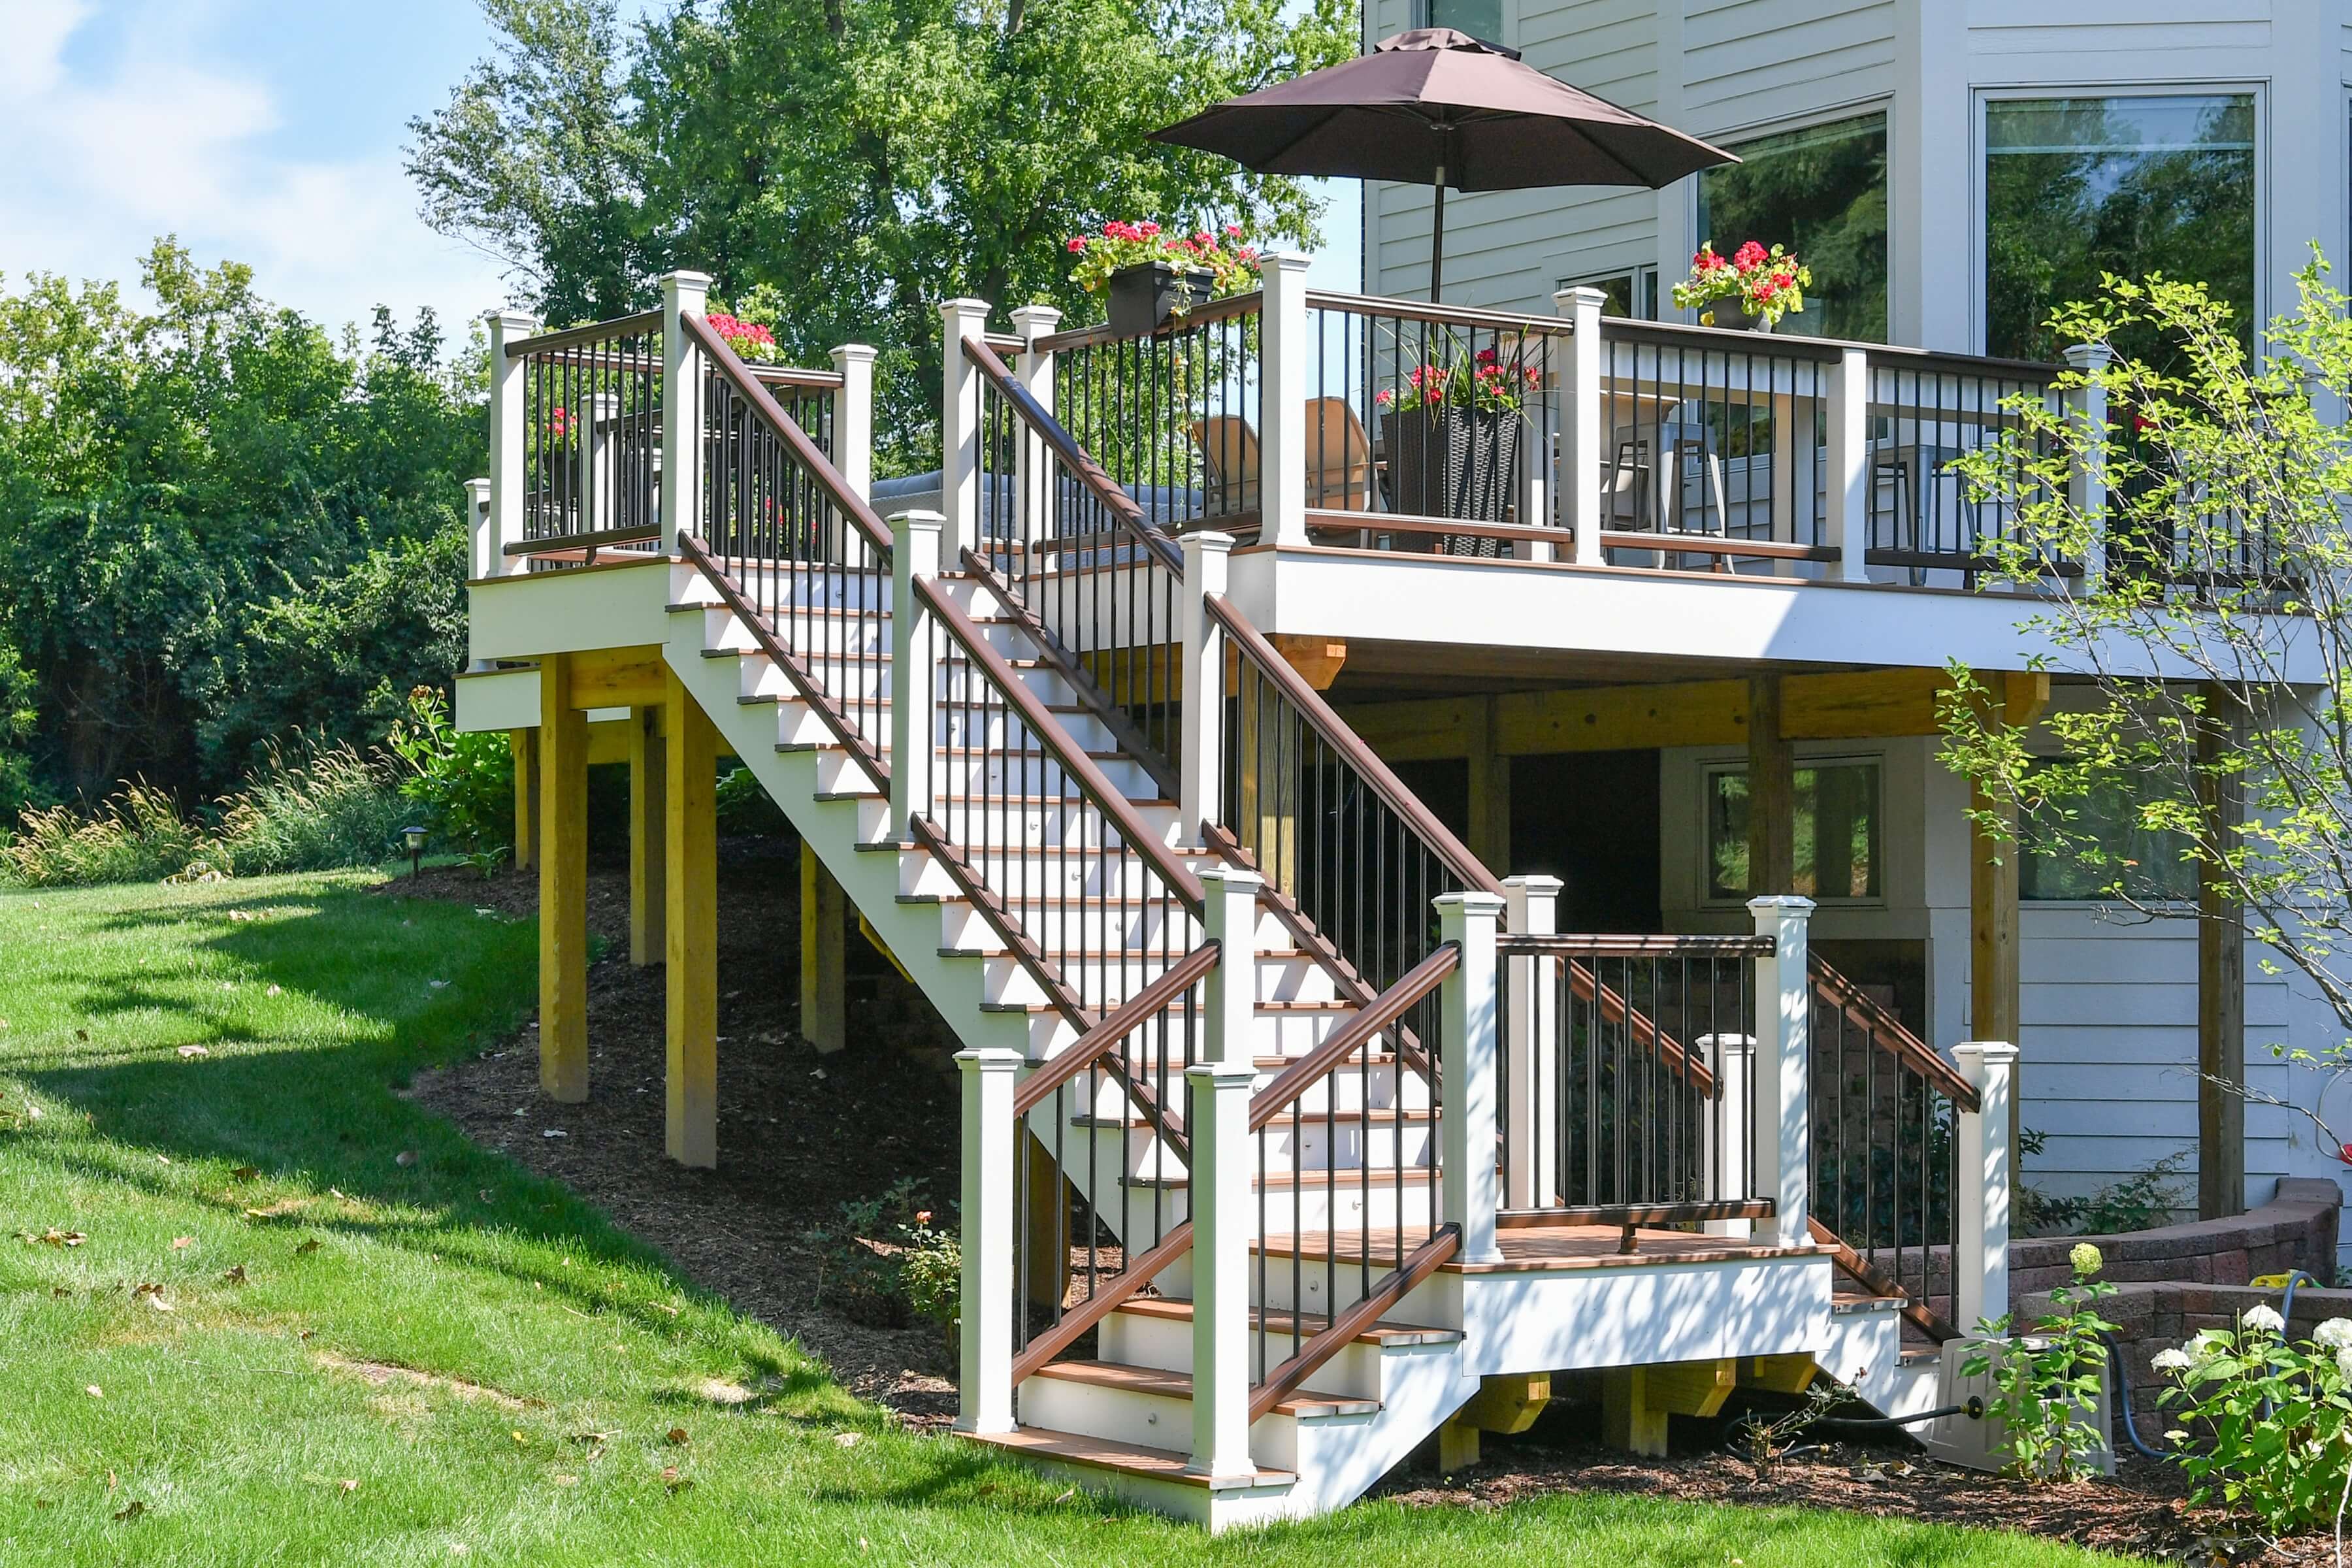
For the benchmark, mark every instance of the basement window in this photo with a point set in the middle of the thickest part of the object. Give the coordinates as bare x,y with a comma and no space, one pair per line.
1837,830
2088,848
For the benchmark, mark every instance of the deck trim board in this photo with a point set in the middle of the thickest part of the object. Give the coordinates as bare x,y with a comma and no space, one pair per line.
1550,1250
1179,1385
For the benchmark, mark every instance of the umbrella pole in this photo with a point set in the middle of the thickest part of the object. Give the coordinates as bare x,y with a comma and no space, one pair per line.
1437,239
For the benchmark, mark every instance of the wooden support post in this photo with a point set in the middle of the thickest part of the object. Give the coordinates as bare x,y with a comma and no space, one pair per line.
525,743
1994,1004
562,885
1771,793
2220,975
1490,791
1636,1400
1046,1209
648,887
1458,1445
1507,1403
824,956
691,855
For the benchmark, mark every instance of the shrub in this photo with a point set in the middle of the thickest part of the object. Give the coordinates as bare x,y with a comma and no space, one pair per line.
462,783
2276,1418
884,1262
745,807
135,835
2045,1386
329,808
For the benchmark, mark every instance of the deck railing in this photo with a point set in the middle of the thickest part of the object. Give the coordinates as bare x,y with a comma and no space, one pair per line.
589,426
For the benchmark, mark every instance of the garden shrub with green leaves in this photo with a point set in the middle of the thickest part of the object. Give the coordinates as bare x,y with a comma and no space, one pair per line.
2264,1423
884,1262
2048,1384
461,781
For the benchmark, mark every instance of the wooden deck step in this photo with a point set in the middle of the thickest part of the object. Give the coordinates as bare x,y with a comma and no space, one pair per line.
1096,1453
1284,1324
1542,1249
1166,1385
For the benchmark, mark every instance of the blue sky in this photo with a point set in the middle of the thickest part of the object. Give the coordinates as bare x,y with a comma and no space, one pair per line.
264,130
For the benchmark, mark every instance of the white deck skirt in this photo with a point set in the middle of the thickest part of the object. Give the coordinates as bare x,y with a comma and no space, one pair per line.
1378,596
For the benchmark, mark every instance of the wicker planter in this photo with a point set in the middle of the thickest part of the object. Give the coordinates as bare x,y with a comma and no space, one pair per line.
1454,463
1148,296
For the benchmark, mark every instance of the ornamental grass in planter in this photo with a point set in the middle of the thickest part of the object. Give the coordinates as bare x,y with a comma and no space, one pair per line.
1453,432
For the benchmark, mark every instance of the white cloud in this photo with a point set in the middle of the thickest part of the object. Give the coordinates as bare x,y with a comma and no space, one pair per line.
127,124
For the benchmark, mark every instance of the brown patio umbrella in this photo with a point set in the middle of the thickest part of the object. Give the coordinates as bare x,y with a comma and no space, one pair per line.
1441,106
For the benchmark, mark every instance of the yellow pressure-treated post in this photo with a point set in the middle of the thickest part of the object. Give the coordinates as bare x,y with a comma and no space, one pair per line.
690,758
525,743
824,932
648,832
562,885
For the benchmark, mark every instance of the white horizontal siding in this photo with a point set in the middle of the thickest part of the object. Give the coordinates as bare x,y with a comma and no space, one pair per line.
2182,28
1747,62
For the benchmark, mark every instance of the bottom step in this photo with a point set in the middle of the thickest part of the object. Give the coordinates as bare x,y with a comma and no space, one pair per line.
1161,1465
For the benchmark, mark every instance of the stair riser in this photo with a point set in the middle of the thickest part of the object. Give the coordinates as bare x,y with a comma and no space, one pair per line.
1060,931
1134,1340
1314,1146
1077,826
994,772
831,589
1130,1416
1121,975
955,685
1322,1291
1092,872
1381,1087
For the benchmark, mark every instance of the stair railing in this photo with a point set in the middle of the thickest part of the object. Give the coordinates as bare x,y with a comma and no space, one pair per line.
1096,580
1886,1113
791,543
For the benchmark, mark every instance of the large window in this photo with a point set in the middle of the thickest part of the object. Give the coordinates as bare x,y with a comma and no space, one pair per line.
1836,830
2088,848
1633,293
2078,186
1479,19
1821,191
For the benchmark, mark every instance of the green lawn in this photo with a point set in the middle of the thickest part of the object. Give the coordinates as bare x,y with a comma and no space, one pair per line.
267,1233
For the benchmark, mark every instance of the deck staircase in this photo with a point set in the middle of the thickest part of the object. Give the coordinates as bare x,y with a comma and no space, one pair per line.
1200,1122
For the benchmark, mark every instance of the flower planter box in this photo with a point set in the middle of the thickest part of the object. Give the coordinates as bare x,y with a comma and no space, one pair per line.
1146,298
1454,462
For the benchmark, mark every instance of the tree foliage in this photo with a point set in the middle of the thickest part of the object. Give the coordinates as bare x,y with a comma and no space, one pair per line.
219,524
2217,643
842,166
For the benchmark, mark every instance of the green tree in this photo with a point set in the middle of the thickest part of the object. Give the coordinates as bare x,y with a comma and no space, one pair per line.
2217,646
842,166
190,500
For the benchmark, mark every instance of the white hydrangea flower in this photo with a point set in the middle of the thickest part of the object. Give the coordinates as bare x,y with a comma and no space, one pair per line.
2343,1363
2265,1319
2086,1259
2208,1341
2175,1360
2334,1334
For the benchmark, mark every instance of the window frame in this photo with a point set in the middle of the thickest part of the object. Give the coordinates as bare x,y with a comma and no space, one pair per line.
1640,278
1882,105
1981,157
1708,899
1509,12
2186,901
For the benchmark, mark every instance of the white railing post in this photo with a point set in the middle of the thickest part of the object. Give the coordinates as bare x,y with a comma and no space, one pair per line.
1530,1121
1981,1236
1229,918
1784,1032
683,294
1032,466
984,1348
484,538
1467,1062
599,471
1221,1234
1581,456
2087,486
508,477
1201,684
914,679
1848,457
1723,1154
853,442
1282,399
960,427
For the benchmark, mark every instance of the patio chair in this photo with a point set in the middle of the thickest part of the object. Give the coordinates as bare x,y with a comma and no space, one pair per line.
1338,460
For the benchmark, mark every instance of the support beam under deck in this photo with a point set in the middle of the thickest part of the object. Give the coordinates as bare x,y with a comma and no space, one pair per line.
690,857
563,852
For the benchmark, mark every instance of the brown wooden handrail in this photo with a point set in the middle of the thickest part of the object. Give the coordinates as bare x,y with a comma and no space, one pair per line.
1925,1319
805,452
1103,1302
1424,1261
1886,1032
593,333
1335,733
1129,1016
1098,789
1344,1041
1073,456
1223,309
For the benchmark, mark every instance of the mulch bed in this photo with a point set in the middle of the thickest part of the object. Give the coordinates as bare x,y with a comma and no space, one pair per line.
799,1134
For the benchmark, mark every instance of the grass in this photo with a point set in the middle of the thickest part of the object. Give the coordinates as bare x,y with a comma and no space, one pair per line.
269,1232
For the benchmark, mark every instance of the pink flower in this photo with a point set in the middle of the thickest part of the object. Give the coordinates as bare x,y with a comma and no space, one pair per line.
1146,229
1204,237
1233,231
1247,253
1749,254
1385,398
1077,243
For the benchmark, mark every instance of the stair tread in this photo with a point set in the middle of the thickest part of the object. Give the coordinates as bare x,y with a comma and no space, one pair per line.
1377,1114
1098,1453
1179,1385
1378,1334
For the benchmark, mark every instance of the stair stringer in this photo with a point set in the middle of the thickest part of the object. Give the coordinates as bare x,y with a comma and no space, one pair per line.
954,984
